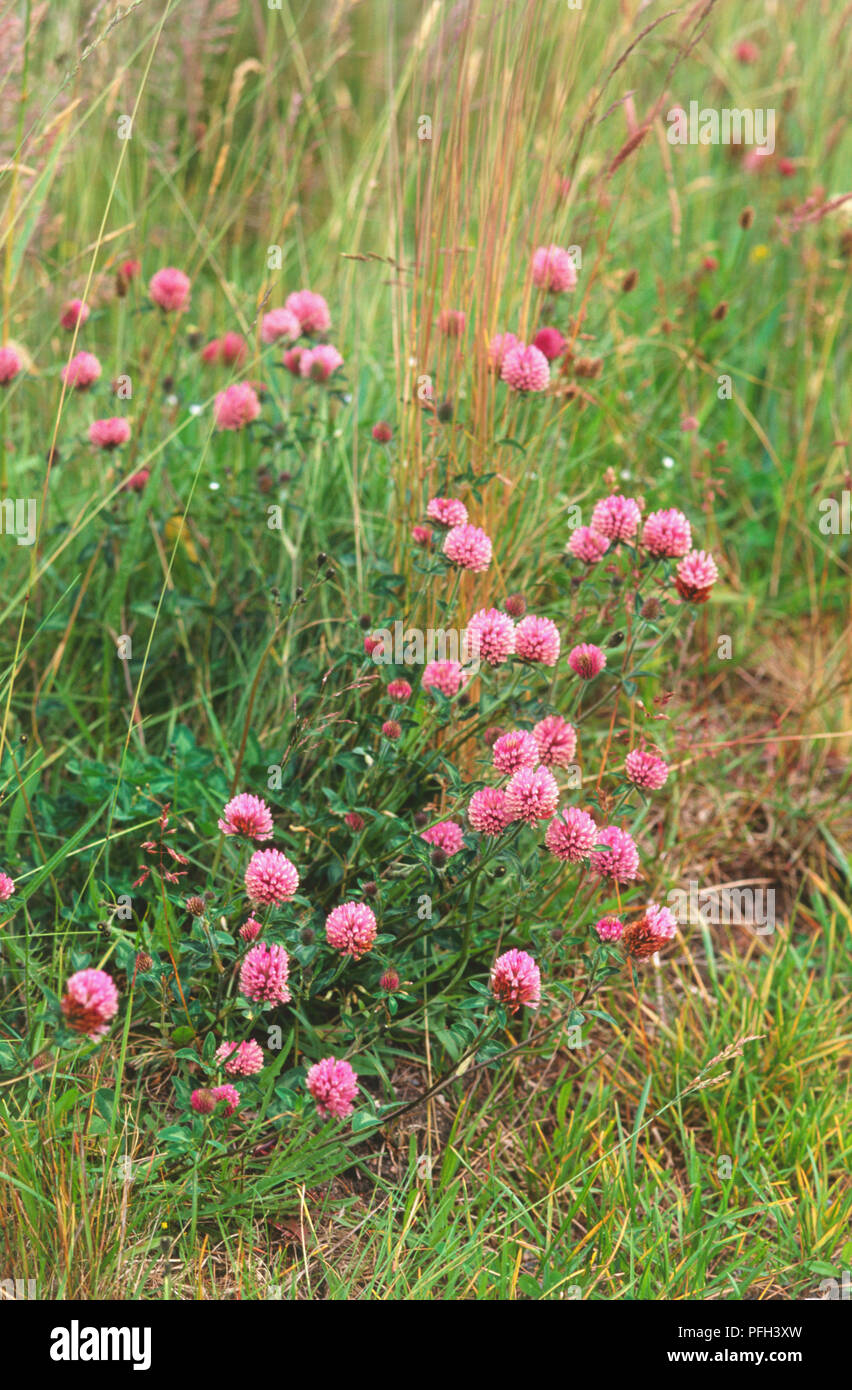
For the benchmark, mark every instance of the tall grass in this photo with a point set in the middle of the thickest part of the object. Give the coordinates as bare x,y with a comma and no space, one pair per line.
256,128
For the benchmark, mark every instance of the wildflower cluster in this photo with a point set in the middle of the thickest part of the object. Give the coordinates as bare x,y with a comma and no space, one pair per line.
415,844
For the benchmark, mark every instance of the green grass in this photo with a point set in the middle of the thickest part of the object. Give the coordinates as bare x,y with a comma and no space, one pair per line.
591,1173
717,1172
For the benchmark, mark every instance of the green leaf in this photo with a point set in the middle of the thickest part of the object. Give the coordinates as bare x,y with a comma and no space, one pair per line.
363,1119
176,1139
65,1102
104,1100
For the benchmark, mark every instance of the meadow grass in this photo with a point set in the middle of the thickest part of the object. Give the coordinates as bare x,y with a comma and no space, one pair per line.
697,1145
